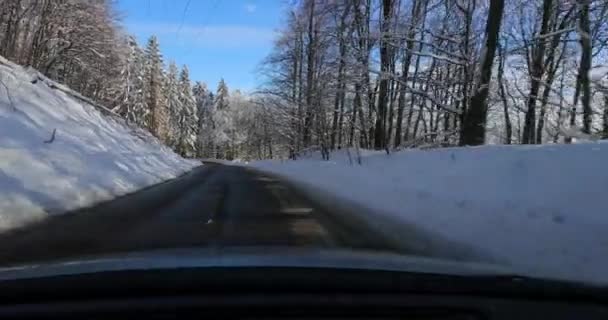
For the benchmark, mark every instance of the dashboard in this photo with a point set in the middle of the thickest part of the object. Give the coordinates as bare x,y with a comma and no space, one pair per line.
303,293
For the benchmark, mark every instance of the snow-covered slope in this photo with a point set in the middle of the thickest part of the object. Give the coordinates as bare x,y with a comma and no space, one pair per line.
93,157
544,209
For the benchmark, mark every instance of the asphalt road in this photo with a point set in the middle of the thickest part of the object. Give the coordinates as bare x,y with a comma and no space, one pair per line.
212,206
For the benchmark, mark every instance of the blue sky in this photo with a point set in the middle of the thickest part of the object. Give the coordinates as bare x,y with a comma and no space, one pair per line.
217,38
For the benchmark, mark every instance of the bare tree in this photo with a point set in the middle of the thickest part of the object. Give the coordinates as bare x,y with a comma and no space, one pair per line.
475,119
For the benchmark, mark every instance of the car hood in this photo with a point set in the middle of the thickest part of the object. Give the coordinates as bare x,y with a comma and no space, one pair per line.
254,257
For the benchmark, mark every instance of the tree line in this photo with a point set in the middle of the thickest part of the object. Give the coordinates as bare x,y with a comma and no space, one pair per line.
382,74
81,44
390,74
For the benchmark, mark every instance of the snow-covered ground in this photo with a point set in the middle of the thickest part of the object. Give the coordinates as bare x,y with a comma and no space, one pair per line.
93,157
543,209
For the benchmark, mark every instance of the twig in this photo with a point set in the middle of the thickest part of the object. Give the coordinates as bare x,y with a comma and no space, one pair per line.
52,137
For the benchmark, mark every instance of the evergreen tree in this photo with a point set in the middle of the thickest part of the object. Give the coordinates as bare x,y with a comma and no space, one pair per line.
174,105
138,99
188,117
204,104
203,99
222,121
158,115
131,103
222,96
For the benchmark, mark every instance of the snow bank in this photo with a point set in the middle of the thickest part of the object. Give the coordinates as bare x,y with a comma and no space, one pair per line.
543,209
93,157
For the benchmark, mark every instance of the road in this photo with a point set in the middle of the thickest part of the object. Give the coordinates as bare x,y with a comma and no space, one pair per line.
212,206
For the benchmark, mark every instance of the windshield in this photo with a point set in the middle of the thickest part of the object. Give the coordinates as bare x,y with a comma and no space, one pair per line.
460,132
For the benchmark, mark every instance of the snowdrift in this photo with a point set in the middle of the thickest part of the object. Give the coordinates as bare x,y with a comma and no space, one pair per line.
542,209
90,158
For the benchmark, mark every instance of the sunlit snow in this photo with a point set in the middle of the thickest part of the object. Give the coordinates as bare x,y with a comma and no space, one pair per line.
543,208
93,157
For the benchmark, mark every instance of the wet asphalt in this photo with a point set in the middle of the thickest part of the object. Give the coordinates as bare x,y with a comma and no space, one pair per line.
214,206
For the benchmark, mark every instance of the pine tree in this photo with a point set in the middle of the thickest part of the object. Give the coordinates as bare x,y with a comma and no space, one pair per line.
221,120
221,98
204,104
174,105
158,115
188,117
203,99
131,103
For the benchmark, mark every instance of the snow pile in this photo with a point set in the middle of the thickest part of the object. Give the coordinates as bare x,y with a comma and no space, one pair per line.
91,158
543,209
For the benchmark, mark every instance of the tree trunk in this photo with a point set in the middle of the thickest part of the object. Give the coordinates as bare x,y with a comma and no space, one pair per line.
536,73
544,101
503,96
339,98
391,111
412,98
468,79
553,65
543,111
424,87
362,86
300,128
293,144
353,118
310,64
405,69
341,119
380,129
475,121
585,64
577,92
560,110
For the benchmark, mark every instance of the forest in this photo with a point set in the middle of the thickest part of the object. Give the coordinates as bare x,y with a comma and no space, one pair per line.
370,74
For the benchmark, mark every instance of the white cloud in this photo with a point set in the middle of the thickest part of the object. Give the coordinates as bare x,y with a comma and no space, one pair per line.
221,36
250,7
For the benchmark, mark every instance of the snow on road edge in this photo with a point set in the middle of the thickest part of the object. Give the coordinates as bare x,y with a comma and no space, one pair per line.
94,156
541,208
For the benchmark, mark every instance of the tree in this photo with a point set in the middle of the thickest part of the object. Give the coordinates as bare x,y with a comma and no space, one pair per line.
82,45
340,95
332,74
221,120
159,115
415,19
537,69
77,43
173,103
204,104
131,103
585,63
222,96
475,119
311,50
385,63
188,116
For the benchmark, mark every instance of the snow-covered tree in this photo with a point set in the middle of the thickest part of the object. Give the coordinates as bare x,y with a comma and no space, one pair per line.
188,115
131,103
204,105
221,120
159,115
222,96
77,43
171,95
